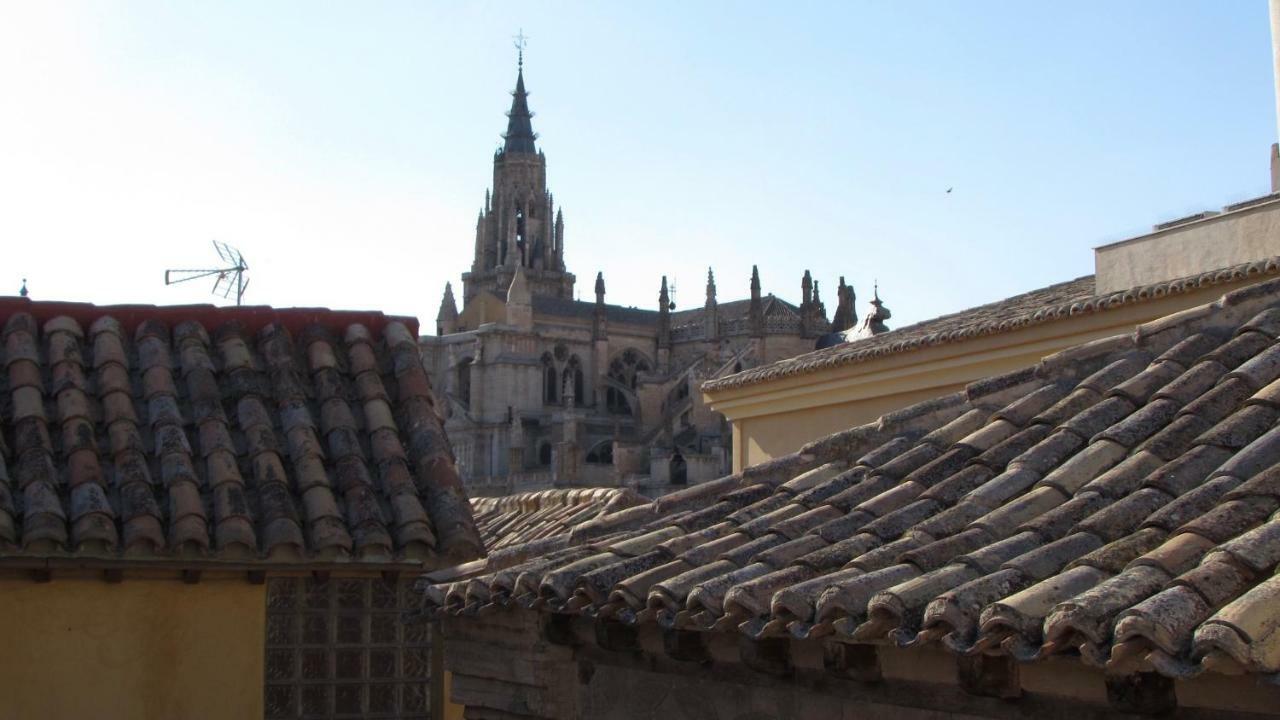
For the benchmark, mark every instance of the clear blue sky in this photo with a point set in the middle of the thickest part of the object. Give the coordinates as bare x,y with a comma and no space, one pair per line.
346,147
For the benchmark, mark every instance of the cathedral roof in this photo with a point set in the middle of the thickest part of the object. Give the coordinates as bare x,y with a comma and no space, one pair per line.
519,135
566,307
734,309
1116,503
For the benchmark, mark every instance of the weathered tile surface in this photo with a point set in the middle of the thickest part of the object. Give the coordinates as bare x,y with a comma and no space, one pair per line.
1122,507
517,519
246,434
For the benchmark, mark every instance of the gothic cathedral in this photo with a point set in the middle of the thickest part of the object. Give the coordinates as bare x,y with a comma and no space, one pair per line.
541,390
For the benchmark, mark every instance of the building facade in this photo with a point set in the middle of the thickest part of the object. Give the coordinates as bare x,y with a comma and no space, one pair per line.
542,390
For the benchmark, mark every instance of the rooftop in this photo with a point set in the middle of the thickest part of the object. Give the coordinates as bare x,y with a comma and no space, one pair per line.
1116,503
523,517
140,434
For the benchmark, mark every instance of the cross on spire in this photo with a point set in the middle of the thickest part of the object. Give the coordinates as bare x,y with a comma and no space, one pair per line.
521,40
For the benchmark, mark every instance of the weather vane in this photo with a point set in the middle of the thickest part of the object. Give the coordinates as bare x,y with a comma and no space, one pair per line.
521,40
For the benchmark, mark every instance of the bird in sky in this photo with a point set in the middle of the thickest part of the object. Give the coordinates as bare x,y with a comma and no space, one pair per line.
948,191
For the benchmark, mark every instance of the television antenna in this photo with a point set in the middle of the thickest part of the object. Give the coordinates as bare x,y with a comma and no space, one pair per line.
230,278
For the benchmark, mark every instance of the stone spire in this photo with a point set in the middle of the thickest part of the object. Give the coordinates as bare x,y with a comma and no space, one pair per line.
807,324
447,318
846,316
519,136
755,314
598,317
664,315
559,239
521,225
711,311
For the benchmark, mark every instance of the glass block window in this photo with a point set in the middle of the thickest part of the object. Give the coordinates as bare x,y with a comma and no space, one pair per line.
336,649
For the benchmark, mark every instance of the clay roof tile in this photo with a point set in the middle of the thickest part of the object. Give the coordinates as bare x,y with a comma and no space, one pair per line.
1138,498
177,416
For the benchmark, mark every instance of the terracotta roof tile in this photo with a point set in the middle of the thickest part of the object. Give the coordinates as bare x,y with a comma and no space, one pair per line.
123,446
511,520
1120,502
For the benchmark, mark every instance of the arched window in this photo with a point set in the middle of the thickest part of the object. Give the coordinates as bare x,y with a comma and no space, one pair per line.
679,470
550,381
573,378
601,454
464,381
624,370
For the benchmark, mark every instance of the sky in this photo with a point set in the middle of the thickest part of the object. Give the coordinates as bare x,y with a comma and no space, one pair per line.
345,148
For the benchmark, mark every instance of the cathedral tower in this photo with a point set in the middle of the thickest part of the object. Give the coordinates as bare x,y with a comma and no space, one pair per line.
519,225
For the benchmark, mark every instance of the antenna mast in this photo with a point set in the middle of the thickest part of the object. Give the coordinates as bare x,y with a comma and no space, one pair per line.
230,278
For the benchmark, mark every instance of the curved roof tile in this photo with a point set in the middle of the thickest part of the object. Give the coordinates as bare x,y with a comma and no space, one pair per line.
235,434
1119,502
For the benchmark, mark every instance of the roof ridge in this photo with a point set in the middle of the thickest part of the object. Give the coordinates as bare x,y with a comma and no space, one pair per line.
900,339
252,317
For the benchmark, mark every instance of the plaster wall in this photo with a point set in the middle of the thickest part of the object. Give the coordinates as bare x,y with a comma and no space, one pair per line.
774,435
1232,238
135,649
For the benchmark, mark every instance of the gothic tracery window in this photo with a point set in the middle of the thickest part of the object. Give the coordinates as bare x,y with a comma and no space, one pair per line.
624,370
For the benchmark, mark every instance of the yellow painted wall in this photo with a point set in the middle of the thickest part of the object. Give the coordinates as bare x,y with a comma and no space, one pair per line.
778,417
770,436
137,649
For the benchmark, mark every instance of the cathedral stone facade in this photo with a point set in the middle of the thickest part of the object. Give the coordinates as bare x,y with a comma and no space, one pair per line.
541,390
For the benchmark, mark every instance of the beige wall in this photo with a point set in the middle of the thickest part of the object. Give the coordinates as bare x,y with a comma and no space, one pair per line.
136,649
1232,238
777,417
769,436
